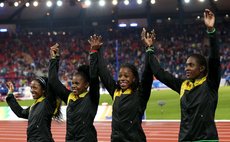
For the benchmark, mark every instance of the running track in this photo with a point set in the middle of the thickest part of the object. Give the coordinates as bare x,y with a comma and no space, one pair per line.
156,131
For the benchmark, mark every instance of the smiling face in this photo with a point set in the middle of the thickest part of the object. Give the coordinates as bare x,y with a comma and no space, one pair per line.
193,69
36,89
79,84
125,78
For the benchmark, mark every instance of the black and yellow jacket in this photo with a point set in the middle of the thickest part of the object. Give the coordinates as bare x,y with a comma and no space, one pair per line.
39,117
81,110
198,99
128,107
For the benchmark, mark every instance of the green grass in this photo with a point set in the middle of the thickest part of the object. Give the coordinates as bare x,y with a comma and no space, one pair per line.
22,103
171,109
223,107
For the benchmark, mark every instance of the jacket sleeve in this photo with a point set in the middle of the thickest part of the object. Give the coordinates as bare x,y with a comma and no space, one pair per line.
162,75
55,85
146,81
105,76
214,73
51,99
16,108
94,80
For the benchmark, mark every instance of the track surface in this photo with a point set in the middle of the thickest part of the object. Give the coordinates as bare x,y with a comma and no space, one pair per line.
156,131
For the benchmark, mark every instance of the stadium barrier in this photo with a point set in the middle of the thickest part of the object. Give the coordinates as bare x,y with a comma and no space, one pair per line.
104,113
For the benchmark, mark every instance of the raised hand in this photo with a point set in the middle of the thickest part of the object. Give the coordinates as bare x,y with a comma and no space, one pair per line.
54,51
209,19
95,42
148,38
10,87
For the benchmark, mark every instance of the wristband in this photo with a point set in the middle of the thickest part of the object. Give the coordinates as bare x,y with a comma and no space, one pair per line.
93,51
10,93
211,32
150,49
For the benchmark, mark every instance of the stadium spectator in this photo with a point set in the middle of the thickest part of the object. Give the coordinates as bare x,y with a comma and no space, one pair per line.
227,80
40,113
199,92
30,57
129,97
81,104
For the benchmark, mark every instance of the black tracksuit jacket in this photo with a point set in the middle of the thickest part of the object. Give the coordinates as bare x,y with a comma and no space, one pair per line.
128,109
198,99
80,113
39,117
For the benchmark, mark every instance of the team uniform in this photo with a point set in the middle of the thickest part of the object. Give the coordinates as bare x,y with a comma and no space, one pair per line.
81,110
198,98
39,117
128,106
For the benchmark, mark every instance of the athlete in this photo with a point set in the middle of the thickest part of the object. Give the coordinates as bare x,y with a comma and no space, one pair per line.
40,113
129,96
198,92
82,103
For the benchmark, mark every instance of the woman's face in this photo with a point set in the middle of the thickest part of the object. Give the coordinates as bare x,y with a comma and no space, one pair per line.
36,89
193,69
125,78
79,85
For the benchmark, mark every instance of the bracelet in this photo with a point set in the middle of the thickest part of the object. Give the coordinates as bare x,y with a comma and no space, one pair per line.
93,50
211,32
150,49
9,93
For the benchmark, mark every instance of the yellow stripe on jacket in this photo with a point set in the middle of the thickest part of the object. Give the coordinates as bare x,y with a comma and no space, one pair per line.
189,85
118,93
37,101
75,97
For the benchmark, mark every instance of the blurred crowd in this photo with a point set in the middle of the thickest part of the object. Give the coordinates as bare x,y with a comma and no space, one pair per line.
24,56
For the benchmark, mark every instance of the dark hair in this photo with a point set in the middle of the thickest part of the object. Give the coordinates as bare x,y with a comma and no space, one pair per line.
83,71
133,69
201,61
57,115
42,81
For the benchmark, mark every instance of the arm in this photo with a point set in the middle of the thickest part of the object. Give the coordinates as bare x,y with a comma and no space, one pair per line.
146,82
165,77
106,78
214,76
94,80
51,95
15,107
162,75
58,88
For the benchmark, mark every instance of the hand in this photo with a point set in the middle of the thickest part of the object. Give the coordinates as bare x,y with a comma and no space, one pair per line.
95,42
10,87
54,51
209,19
148,38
